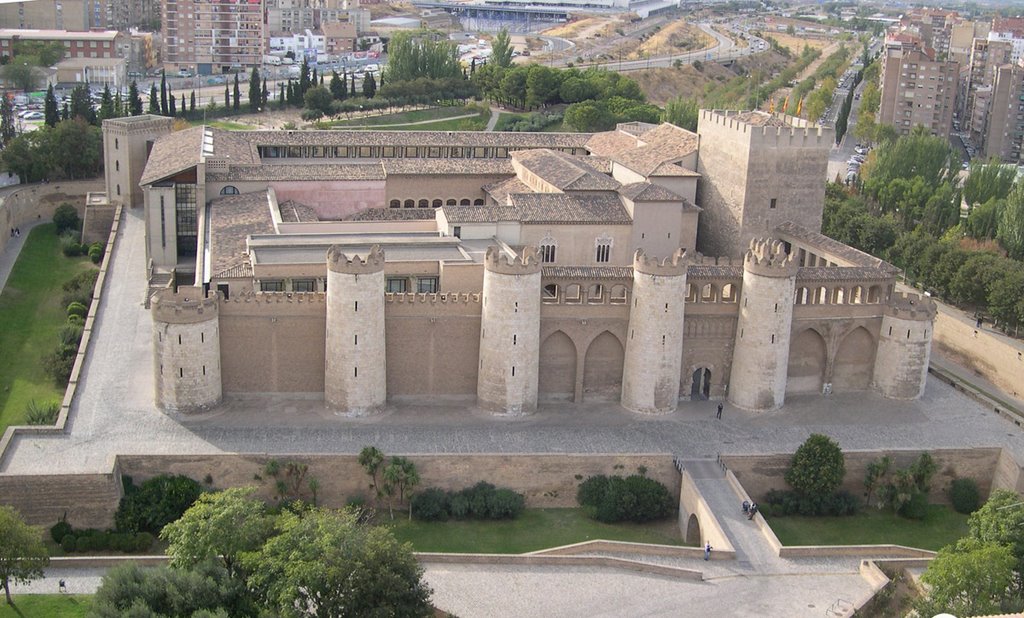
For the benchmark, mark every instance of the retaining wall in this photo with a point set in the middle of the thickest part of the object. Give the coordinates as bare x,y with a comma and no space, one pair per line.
37,202
979,350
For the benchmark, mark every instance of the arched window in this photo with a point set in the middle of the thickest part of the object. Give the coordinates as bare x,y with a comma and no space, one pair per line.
424,203
801,296
875,294
451,202
465,202
595,294
573,294
116,143
729,293
603,248
839,296
707,293
821,297
550,294
437,203
618,295
691,293
857,295
229,190
478,201
395,204
410,204
547,250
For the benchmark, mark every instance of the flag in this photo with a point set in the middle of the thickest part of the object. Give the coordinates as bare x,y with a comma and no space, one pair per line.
771,105
799,106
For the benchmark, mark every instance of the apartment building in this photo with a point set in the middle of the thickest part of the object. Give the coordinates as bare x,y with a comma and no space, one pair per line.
986,56
47,14
1004,127
211,36
917,89
95,44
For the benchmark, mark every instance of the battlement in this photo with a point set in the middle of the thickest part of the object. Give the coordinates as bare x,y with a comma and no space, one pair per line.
185,307
911,306
340,262
768,257
672,266
146,123
437,298
770,129
276,298
699,259
526,263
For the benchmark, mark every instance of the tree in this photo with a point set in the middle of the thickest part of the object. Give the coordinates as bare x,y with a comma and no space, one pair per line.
192,102
370,458
411,56
988,180
325,563
318,99
542,85
154,101
23,555
173,111
589,116
400,475
81,104
1011,224
205,591
23,74
682,112
119,106
873,475
369,85
304,78
65,219
264,94
163,93
352,89
50,112
106,104
255,98
218,526
8,129
971,578
870,98
501,49
236,95
337,86
817,467
134,100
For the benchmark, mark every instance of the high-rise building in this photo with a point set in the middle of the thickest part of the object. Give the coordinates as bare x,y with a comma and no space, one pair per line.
212,36
1004,129
917,89
986,56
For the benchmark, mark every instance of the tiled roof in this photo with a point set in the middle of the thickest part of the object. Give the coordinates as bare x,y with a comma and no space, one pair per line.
599,163
712,271
648,192
511,139
587,272
563,171
232,219
447,166
233,146
241,271
393,214
671,169
609,143
665,144
499,191
840,273
537,208
829,246
172,154
300,171
481,214
295,212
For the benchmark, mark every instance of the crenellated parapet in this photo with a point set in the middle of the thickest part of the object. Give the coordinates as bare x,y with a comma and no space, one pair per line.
910,306
671,266
774,129
184,307
699,259
439,298
253,297
526,263
340,262
768,257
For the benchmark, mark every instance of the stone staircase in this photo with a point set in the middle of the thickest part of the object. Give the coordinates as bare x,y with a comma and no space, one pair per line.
158,281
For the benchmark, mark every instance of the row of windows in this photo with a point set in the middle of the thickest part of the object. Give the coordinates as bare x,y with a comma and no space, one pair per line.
397,285
392,152
401,285
549,251
436,203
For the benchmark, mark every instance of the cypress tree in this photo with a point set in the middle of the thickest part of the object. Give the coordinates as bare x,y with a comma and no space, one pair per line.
192,102
163,92
50,111
255,98
154,100
171,108
238,94
134,100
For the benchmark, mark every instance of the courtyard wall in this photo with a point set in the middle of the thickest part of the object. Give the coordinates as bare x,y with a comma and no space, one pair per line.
981,351
37,202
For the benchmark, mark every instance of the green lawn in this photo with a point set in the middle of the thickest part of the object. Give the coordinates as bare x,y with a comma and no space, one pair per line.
419,115
535,529
507,118
47,606
941,527
32,315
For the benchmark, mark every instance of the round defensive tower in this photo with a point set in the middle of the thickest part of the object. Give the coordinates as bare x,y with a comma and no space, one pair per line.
355,377
654,342
760,358
904,346
510,332
186,341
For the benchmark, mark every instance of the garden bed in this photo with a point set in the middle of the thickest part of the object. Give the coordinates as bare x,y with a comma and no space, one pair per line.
942,526
535,529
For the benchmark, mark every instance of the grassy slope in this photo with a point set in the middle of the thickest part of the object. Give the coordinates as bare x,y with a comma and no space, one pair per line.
419,115
941,527
46,606
32,315
535,529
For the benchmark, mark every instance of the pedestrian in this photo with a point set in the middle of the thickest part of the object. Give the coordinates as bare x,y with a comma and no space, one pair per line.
980,320
707,550
753,510
746,507
719,415
61,587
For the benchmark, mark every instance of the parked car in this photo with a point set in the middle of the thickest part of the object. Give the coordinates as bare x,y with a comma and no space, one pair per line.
33,116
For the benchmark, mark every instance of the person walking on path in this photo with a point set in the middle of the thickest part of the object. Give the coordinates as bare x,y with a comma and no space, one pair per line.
719,415
707,550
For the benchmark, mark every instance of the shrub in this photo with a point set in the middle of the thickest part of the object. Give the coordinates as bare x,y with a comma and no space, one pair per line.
506,504
431,504
69,543
634,498
96,252
76,321
60,530
817,467
79,288
70,334
788,502
591,491
77,308
144,541
84,543
964,495
65,218
58,363
42,413
458,506
69,245
479,497
157,502
916,507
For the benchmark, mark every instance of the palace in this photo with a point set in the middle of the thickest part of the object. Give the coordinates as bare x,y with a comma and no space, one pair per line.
644,265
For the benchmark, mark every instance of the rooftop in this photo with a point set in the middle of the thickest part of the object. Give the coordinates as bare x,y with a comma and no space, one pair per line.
511,139
30,33
832,248
538,208
564,172
172,154
232,219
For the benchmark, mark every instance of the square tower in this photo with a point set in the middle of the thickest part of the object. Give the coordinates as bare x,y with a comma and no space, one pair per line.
126,145
757,170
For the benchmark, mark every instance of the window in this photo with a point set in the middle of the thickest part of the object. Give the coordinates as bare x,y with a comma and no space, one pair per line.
426,285
772,204
388,152
272,286
117,166
396,284
186,219
547,253
116,143
604,251
424,204
229,190
395,204
457,231
224,289
303,285
412,151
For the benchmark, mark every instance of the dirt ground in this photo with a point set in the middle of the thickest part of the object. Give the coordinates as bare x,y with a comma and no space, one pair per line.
677,36
580,29
662,85
796,43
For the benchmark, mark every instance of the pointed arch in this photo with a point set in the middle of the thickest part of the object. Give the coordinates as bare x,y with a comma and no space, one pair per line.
807,356
602,369
854,362
557,368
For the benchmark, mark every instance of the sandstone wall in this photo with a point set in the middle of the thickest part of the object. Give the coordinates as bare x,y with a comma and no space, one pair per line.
986,354
37,202
761,473
89,500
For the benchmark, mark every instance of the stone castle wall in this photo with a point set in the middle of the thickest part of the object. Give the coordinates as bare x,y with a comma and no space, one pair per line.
980,350
37,203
